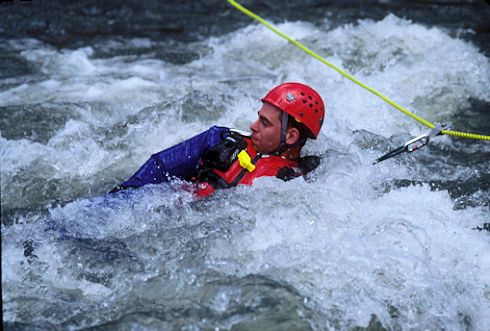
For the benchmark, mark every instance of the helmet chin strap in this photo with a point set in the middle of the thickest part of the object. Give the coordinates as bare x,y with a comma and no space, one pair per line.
284,129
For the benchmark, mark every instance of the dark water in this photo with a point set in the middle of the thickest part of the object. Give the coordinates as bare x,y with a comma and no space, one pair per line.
88,90
73,24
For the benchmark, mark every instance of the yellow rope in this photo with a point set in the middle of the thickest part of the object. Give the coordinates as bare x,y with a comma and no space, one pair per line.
318,57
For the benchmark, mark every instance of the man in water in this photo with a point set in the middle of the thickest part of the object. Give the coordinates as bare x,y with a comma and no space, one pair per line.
221,158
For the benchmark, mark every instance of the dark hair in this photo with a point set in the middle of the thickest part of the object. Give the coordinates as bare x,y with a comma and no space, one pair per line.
304,132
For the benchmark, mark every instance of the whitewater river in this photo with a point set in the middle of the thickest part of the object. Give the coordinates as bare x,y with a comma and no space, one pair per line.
353,245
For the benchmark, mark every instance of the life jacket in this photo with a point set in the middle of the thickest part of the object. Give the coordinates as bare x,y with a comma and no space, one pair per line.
244,166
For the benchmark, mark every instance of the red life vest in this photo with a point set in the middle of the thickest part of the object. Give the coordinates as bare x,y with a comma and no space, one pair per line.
264,165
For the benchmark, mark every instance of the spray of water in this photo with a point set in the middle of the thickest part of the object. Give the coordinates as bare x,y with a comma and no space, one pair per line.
330,251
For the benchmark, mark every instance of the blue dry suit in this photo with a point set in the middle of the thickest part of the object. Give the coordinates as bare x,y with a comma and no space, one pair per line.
179,161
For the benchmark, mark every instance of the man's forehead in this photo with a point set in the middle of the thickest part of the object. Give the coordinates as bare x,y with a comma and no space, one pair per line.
270,111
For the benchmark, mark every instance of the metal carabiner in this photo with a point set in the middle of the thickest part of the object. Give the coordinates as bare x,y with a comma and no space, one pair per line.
416,143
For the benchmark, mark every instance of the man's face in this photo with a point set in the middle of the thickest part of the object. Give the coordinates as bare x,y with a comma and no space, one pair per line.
266,130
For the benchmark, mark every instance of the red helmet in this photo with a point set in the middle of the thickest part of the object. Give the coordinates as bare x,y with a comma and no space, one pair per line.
301,102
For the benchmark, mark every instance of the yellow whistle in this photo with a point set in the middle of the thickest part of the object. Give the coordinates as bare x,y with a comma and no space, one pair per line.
245,161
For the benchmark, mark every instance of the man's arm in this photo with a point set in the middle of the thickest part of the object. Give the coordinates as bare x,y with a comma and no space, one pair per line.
178,161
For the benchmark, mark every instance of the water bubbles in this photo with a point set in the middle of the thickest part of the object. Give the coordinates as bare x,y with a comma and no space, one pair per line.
351,245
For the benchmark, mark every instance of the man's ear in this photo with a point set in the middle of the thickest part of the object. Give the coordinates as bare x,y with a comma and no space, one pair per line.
292,136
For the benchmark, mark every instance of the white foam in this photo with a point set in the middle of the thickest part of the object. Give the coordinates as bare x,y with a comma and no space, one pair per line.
347,238
369,251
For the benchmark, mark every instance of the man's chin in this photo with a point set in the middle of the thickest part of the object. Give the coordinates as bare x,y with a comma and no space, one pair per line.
254,143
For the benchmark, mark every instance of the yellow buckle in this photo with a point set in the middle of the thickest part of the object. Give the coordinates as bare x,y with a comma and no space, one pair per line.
245,161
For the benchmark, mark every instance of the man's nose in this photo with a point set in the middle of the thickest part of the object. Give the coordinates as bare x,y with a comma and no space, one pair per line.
253,126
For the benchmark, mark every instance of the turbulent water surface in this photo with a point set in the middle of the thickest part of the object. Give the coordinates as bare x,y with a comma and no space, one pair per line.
89,91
